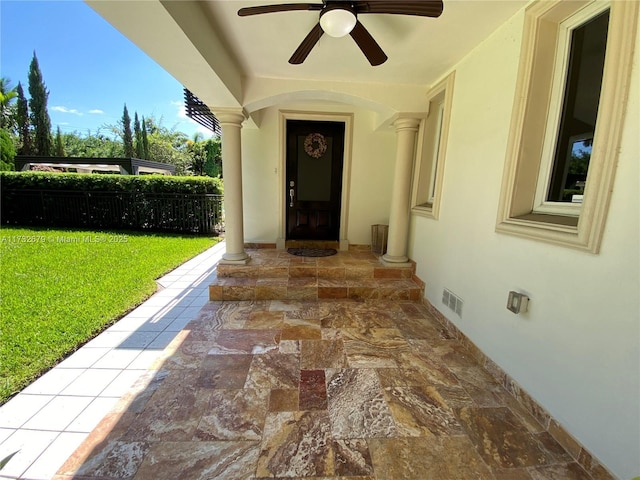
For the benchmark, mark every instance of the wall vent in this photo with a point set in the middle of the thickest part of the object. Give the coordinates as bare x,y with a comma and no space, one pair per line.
452,301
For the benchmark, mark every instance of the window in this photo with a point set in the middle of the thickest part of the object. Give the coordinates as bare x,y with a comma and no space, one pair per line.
574,109
562,152
432,141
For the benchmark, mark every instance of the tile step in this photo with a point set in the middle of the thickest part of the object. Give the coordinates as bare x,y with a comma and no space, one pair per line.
342,272
313,288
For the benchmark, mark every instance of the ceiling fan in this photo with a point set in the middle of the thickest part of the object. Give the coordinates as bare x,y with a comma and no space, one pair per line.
339,18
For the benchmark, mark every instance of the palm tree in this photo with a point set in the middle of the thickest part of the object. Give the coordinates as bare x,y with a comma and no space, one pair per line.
7,94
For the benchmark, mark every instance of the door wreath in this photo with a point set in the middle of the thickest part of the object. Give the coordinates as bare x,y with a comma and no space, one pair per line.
315,145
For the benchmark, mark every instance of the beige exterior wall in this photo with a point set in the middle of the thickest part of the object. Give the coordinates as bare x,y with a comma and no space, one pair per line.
372,163
577,350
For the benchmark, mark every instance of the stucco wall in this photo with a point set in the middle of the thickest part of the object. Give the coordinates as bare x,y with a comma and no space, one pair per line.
577,350
372,161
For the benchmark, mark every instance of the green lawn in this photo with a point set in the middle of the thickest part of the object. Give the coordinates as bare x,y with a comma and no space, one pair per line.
59,288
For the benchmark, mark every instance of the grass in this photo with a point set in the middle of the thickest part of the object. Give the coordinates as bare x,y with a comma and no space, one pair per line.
59,288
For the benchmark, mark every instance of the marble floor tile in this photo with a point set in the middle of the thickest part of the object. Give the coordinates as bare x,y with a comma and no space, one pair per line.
238,342
420,458
569,471
283,400
322,354
234,415
265,320
173,412
115,460
296,444
484,390
199,461
421,411
374,347
502,440
357,405
317,390
301,332
224,371
274,370
352,458
313,390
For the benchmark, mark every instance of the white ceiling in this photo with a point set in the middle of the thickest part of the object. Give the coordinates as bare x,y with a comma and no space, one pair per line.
420,49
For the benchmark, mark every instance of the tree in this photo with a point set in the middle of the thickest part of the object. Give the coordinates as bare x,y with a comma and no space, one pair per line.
213,163
145,140
23,123
127,138
138,137
97,145
7,151
38,105
7,95
197,153
59,144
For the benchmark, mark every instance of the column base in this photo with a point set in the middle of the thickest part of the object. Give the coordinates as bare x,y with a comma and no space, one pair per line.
394,261
235,259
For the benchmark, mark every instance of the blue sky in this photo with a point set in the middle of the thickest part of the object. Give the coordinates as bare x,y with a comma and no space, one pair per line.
90,69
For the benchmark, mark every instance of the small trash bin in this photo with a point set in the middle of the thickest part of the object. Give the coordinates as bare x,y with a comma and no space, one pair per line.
379,234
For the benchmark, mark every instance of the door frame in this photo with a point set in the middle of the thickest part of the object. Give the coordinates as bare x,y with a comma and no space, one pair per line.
347,119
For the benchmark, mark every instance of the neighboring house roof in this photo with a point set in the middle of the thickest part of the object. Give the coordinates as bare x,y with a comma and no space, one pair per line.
132,166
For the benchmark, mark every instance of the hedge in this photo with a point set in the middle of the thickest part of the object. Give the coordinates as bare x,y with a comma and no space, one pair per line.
109,183
113,202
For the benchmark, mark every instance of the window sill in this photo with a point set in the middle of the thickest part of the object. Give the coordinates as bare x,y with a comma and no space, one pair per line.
424,210
554,229
551,219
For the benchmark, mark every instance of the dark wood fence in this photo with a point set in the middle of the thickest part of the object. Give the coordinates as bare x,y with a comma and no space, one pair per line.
162,212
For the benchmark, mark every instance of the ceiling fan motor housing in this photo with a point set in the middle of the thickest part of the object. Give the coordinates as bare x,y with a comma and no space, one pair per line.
338,19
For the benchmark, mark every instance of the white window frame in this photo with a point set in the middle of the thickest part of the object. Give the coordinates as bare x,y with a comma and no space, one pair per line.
566,28
516,215
432,146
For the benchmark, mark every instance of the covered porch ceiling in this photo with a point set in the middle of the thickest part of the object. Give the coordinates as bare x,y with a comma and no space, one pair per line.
242,62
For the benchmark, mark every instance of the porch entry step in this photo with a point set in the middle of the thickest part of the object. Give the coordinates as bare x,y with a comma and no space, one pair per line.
276,275
312,244
308,288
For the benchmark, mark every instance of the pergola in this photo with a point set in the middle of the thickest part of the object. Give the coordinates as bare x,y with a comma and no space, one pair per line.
124,166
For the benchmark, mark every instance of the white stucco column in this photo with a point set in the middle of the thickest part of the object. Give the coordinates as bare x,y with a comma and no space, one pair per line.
406,130
231,124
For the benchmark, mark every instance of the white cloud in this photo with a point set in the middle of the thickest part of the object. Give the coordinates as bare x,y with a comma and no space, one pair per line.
96,111
190,124
182,113
66,110
204,131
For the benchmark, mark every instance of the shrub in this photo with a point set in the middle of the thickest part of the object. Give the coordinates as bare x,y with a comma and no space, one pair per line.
109,183
117,202
7,151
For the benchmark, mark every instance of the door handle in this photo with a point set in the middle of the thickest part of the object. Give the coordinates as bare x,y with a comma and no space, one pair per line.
292,193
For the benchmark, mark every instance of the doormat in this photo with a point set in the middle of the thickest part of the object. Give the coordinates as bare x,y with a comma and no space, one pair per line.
312,252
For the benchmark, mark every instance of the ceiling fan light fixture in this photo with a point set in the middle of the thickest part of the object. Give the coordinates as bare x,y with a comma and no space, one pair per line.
338,22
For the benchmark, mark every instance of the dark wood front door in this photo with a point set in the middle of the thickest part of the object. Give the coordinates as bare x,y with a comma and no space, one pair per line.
314,153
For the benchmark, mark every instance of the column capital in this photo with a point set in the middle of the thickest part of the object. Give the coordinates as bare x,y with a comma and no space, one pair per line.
229,116
407,124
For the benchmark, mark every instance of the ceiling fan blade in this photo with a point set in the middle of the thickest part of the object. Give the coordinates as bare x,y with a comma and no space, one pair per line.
424,8
307,45
283,7
368,45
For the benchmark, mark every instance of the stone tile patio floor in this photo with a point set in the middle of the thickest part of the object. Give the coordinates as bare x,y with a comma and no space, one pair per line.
362,389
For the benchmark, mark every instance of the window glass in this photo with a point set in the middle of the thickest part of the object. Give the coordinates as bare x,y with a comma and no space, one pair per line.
579,111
